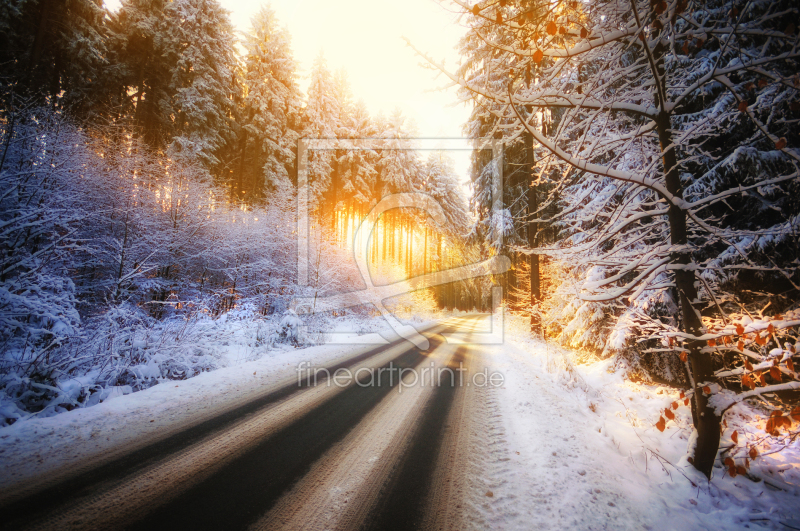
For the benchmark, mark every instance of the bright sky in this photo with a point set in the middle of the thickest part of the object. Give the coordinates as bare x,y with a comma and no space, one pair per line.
365,38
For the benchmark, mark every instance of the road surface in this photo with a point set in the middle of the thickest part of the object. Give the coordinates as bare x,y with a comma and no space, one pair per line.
380,447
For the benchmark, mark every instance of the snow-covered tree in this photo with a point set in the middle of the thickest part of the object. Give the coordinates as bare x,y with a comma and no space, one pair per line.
676,161
202,76
357,175
143,53
399,169
53,52
271,106
322,119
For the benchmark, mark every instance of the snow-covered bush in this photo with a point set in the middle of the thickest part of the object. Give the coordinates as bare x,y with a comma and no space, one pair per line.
120,269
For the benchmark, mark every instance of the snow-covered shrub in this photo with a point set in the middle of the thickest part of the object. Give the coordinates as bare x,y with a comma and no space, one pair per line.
290,329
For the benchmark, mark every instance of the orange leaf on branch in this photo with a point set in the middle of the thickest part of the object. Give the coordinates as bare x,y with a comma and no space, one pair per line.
740,345
753,452
712,343
743,106
661,424
538,55
748,366
781,143
735,437
741,470
739,329
584,33
790,364
551,28
775,373
669,414
683,356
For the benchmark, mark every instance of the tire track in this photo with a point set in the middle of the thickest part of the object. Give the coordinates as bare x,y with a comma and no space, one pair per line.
340,489
417,489
448,492
237,495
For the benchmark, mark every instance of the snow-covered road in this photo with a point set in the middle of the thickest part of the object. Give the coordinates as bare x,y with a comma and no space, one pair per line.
554,445
294,456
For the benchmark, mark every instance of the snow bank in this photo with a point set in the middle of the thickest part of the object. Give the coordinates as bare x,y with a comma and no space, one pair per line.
578,448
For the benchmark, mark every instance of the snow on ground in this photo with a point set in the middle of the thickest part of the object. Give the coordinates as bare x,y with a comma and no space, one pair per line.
55,443
568,445
575,447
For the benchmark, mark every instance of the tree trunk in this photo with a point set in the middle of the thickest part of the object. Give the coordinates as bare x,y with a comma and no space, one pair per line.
425,253
705,420
38,41
533,206
333,198
242,157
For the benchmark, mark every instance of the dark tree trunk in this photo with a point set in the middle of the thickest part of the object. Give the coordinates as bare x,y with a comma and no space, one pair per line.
533,206
705,420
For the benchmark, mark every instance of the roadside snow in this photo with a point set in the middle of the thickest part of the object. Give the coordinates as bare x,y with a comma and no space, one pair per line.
51,446
577,448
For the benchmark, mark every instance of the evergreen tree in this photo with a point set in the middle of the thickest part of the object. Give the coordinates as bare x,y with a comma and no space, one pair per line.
202,78
322,119
53,51
142,47
271,106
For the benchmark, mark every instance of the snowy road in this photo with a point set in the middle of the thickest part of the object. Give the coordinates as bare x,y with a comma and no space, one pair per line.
378,451
553,446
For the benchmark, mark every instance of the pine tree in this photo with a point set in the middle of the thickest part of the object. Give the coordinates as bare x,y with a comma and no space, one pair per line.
203,41
271,104
144,54
53,51
322,119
